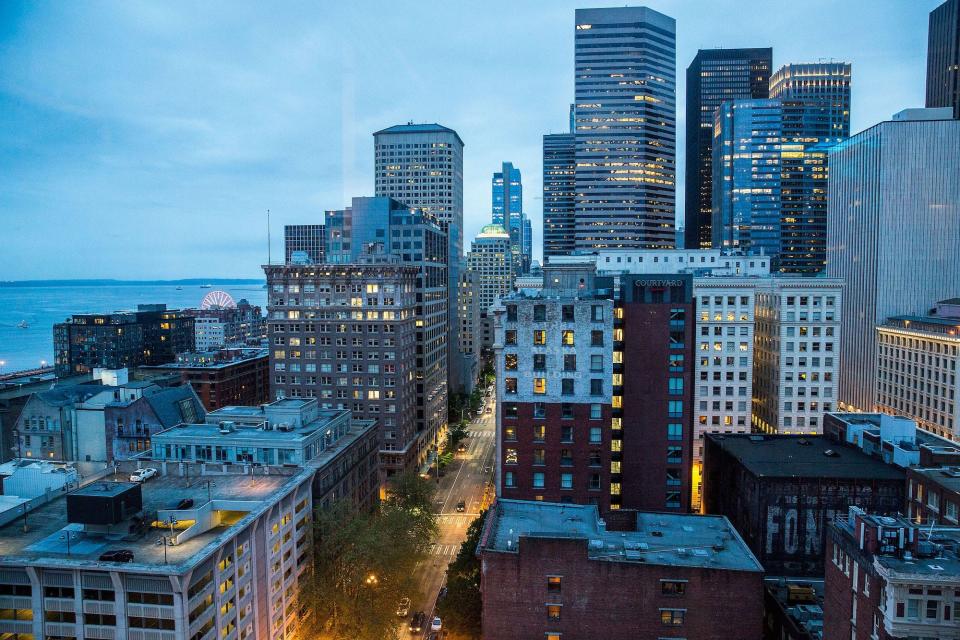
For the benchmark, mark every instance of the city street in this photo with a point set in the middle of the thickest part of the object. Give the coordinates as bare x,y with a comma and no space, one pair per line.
466,478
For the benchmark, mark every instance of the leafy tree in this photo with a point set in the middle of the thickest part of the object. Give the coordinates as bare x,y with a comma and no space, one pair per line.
364,562
461,607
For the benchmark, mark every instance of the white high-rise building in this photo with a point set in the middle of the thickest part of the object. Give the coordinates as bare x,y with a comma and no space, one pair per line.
491,266
893,230
625,136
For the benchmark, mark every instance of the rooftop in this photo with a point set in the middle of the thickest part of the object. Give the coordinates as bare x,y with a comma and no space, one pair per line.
216,359
800,456
660,538
425,127
947,477
236,499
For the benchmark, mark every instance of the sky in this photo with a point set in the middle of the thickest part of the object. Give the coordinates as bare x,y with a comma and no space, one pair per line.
148,139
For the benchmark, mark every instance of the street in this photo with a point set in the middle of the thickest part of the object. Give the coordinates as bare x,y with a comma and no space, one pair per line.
466,478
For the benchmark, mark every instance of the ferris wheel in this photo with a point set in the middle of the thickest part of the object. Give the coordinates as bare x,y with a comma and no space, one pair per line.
218,300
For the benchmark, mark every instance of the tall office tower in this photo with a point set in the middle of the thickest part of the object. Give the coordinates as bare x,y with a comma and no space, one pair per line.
383,229
893,223
558,194
527,244
625,90
345,334
421,165
469,316
652,424
816,116
303,243
489,262
943,57
746,176
714,76
507,190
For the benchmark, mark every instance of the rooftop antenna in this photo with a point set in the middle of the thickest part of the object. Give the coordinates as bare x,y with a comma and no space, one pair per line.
269,260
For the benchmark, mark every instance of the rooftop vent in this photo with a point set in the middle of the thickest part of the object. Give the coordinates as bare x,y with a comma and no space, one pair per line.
830,453
657,534
226,426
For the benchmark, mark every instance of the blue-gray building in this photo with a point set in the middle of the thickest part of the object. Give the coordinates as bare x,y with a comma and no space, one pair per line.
507,191
559,165
746,176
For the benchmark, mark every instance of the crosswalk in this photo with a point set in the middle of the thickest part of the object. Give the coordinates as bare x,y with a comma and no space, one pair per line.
445,550
480,434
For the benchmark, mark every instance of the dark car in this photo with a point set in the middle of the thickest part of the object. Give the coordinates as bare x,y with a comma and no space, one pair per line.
461,506
184,503
417,621
117,555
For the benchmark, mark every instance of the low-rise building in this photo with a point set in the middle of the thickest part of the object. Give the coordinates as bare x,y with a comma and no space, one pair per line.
782,491
124,560
888,578
933,496
225,377
556,571
793,608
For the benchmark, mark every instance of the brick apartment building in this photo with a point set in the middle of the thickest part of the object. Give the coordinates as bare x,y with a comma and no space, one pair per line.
888,578
782,491
553,363
558,572
223,377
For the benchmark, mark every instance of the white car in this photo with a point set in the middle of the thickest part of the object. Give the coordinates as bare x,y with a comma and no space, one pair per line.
141,475
436,624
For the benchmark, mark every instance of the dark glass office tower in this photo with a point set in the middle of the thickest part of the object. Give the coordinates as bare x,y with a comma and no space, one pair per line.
625,85
815,98
714,76
558,189
943,57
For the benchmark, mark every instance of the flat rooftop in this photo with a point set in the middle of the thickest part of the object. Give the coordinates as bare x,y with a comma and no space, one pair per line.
660,538
239,433
44,542
802,456
947,477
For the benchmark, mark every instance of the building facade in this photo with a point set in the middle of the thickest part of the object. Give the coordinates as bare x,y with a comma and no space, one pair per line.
713,77
489,263
558,571
943,57
224,377
815,99
150,335
235,571
304,243
781,492
916,369
625,137
507,211
887,578
746,176
553,364
559,168
893,216
347,336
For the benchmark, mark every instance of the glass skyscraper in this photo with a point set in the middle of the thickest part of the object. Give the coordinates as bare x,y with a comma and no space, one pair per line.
746,176
943,57
507,190
625,114
558,194
714,75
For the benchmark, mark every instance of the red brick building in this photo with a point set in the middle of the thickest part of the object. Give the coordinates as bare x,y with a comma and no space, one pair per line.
886,578
933,495
228,377
653,402
554,571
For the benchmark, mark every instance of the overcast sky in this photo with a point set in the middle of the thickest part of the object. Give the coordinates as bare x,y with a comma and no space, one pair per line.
147,140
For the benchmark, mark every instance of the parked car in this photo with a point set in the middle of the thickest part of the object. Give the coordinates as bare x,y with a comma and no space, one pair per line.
436,624
416,622
183,503
117,555
461,506
142,475
403,608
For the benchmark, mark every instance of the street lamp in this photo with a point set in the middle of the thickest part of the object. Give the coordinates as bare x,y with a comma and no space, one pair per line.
68,536
371,580
164,540
2,364
43,364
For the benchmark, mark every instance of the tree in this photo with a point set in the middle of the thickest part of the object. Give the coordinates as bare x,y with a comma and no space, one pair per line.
461,608
364,562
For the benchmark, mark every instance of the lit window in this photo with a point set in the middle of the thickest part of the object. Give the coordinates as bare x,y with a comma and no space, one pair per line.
539,336
568,337
539,385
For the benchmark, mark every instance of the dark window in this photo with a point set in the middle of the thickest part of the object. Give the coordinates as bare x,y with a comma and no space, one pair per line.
566,458
566,433
566,411
511,313
673,587
596,338
566,386
595,459
567,313
674,455
509,410
570,362
510,336
594,481
510,385
539,410
596,386
539,313
596,313
539,362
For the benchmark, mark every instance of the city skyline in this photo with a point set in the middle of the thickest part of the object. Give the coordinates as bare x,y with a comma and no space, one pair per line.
280,116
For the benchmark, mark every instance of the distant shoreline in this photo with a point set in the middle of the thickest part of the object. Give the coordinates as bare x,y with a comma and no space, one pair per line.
112,282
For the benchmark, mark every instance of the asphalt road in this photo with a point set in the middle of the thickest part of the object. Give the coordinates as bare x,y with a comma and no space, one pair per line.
466,478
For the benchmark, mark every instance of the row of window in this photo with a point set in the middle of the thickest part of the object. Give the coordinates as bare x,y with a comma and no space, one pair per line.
567,386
